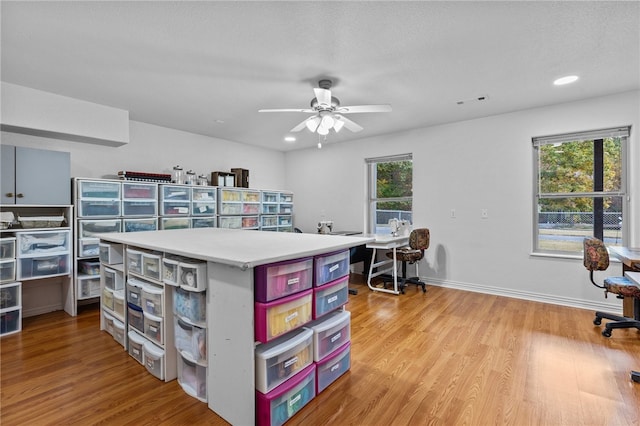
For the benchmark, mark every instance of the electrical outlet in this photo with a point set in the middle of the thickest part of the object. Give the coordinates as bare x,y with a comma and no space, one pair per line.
453,213
484,213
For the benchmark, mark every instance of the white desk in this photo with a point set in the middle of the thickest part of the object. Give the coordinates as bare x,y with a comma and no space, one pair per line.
633,276
385,242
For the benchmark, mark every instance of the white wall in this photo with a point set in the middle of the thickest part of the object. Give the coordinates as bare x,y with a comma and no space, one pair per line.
157,149
472,165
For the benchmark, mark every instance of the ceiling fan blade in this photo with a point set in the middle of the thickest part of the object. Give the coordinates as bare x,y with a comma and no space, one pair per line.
286,110
354,127
323,96
300,126
364,108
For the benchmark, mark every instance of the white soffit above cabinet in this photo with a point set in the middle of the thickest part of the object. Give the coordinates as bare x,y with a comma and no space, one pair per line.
38,113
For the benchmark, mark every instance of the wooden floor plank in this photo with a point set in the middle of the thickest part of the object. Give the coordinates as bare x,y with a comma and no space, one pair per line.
445,357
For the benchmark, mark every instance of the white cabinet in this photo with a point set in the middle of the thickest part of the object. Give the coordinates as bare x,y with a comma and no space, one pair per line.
23,172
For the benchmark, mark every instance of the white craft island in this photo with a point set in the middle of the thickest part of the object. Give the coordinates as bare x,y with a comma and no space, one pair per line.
231,257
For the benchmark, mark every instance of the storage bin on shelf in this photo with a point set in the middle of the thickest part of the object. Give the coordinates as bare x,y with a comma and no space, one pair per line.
153,327
136,343
119,303
10,295
41,222
7,270
113,279
170,270
90,227
42,243
277,317
107,298
111,253
190,341
134,292
279,405
99,208
118,332
108,322
7,248
89,267
10,321
88,287
204,222
131,190
139,225
152,298
154,359
282,358
152,265
192,377
175,223
99,189
331,266
135,317
88,247
330,333
33,267
276,280
332,367
193,275
330,296
134,261
190,305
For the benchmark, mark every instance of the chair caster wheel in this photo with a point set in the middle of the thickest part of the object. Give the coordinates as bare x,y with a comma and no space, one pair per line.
606,332
597,321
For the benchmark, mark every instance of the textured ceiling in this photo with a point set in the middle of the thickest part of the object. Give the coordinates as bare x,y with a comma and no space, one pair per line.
207,67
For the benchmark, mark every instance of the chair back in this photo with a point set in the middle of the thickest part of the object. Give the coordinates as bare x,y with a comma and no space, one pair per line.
595,255
419,239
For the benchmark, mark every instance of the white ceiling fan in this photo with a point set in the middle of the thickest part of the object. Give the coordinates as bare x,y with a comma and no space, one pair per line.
328,113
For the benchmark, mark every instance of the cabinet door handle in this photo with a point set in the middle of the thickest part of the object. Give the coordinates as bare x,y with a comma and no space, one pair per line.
9,194
20,195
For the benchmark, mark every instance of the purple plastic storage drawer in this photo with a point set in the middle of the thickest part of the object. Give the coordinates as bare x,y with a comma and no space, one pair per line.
329,297
331,266
279,405
273,319
333,367
281,279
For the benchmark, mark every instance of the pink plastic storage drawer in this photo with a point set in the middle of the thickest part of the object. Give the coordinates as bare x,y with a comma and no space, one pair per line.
281,279
334,366
275,318
330,297
330,333
331,266
282,403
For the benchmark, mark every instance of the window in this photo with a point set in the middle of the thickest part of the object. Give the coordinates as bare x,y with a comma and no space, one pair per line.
580,189
390,190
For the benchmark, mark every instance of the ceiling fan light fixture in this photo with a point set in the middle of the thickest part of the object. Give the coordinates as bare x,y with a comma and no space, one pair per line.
313,123
323,131
327,121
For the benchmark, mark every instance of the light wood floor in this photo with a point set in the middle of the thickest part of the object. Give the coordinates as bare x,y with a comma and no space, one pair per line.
446,357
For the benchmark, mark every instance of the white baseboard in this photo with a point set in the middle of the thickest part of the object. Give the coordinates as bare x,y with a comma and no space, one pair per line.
527,295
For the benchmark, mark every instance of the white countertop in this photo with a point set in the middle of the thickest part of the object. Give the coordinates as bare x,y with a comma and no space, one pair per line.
237,247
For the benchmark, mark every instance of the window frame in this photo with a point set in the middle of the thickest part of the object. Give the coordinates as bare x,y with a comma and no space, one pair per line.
372,199
622,132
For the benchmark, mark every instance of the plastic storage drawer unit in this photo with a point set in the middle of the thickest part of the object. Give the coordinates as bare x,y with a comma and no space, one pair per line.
134,261
193,378
154,359
107,298
139,190
170,270
330,333
134,292
110,253
153,327
190,341
152,298
43,266
99,189
282,358
112,279
88,247
10,296
119,303
99,208
275,318
135,317
190,305
330,267
7,248
329,297
331,368
108,322
279,405
118,332
88,287
89,228
136,342
193,275
152,265
7,270
277,280
10,322
88,267
138,225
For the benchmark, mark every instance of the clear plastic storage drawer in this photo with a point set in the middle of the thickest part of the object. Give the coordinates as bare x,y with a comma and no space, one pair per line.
281,279
329,297
97,208
7,248
38,267
88,287
282,403
147,191
138,225
10,296
89,228
7,270
331,266
98,189
42,243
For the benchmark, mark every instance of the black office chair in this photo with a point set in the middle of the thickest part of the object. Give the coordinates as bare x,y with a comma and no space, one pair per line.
596,258
412,254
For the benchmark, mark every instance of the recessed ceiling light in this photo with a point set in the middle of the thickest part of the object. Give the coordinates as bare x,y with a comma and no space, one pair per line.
565,80
290,139
219,121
